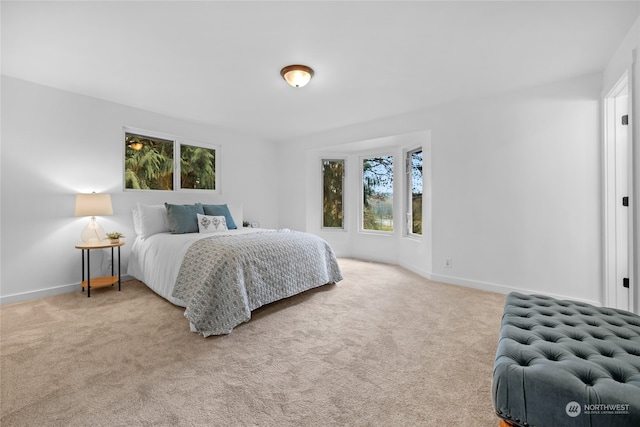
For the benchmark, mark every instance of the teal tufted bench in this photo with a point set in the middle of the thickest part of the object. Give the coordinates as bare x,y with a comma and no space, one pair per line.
566,363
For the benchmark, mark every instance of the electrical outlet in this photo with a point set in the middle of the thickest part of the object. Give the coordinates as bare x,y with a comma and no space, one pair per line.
448,263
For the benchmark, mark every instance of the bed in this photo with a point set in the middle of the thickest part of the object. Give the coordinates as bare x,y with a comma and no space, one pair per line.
223,275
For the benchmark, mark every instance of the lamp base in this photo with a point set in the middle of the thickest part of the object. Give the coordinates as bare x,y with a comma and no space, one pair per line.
93,233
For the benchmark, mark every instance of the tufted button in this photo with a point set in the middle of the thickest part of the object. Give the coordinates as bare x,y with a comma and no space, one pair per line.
576,336
623,334
587,380
606,352
549,338
554,357
620,379
615,322
523,362
635,351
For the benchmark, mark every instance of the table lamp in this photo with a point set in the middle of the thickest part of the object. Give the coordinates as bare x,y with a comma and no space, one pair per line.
93,205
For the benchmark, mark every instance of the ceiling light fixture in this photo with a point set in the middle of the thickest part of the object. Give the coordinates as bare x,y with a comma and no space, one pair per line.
297,75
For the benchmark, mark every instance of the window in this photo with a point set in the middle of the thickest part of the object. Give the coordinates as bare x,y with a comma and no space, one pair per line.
197,167
148,163
167,164
413,171
377,190
332,193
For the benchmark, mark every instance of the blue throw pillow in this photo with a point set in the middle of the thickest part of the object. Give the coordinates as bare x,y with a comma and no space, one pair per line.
218,210
183,218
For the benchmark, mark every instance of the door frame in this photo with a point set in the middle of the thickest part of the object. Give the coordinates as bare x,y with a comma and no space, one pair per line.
611,283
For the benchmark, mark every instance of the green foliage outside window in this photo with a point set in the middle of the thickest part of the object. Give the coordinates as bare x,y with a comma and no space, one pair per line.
416,191
148,163
332,193
197,167
377,204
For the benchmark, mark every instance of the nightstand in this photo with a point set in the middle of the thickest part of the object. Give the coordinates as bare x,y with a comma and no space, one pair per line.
98,282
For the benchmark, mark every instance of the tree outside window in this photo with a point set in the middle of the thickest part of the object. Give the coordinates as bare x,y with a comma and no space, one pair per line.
148,163
151,164
377,204
414,175
332,193
197,167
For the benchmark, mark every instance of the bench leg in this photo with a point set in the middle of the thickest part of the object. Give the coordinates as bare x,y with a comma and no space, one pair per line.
504,423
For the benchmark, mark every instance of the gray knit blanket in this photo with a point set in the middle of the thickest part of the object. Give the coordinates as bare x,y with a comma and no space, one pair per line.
223,278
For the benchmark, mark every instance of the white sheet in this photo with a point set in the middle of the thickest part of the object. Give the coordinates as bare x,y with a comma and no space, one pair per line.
156,260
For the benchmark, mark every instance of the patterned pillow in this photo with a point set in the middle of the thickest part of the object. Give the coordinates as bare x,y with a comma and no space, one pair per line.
211,224
221,210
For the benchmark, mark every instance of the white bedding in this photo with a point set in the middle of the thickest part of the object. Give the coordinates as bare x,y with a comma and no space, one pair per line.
156,260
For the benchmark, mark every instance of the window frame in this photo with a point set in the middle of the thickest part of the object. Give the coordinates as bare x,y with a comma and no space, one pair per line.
408,192
177,143
362,158
178,175
344,191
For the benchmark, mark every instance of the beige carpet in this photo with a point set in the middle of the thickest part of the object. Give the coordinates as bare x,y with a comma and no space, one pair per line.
384,347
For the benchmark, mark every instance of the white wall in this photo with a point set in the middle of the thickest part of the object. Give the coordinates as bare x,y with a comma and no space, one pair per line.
517,191
515,182
56,144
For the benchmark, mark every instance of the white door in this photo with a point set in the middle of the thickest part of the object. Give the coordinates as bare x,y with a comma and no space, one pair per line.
622,212
617,187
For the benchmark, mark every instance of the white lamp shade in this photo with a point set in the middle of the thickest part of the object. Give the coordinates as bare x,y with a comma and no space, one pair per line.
93,204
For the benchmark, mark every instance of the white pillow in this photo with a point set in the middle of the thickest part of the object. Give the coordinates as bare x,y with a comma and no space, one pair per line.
137,226
153,220
211,224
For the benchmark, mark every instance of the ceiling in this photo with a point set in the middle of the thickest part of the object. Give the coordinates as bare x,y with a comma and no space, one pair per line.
219,62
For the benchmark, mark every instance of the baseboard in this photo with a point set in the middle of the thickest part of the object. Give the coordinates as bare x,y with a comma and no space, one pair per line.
41,293
420,271
501,289
485,286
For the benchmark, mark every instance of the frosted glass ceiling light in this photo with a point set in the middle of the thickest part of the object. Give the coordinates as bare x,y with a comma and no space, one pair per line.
297,75
91,205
